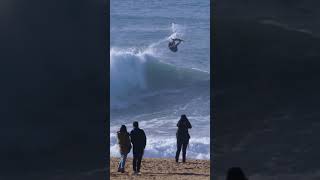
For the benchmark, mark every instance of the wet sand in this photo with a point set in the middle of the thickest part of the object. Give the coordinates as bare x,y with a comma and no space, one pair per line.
162,169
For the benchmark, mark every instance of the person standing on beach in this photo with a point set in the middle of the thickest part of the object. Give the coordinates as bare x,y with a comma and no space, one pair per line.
182,137
139,141
124,146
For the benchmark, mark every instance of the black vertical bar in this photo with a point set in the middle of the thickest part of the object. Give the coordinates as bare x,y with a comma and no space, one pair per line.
107,67
212,86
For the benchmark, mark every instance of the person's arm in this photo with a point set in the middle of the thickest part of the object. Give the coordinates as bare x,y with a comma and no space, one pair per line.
144,139
179,123
129,140
189,124
131,137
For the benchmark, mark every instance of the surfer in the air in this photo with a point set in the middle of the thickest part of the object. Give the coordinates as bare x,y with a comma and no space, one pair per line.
173,44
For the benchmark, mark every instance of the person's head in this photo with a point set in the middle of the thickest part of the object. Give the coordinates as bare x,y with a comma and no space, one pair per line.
235,173
135,124
183,117
123,128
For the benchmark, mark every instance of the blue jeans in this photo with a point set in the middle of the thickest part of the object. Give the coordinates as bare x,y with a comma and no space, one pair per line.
122,162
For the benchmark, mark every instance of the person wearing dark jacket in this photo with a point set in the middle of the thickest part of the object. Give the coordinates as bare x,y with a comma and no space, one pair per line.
182,137
124,146
139,141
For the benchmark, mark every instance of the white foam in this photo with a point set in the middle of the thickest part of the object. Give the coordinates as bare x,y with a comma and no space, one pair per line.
165,147
161,140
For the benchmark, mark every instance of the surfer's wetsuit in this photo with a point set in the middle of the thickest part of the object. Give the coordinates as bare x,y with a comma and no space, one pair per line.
173,46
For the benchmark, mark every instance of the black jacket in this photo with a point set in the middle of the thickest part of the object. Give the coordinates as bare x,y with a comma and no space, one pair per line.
138,139
183,126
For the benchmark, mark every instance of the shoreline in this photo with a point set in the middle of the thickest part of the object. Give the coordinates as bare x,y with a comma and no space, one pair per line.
162,169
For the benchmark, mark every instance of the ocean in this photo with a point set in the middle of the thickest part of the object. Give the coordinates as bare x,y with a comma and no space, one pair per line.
154,86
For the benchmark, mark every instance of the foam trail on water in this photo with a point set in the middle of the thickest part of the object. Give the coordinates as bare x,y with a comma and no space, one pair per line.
177,32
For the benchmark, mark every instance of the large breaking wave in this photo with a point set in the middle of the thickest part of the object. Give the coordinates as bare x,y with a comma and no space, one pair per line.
146,87
140,71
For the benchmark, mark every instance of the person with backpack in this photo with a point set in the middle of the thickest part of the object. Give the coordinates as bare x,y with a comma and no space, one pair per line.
139,141
124,147
182,137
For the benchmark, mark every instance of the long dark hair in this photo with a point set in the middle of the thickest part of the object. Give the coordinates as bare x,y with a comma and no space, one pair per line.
183,122
184,119
123,129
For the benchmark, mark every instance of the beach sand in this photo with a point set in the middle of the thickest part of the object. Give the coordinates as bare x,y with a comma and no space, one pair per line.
162,169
